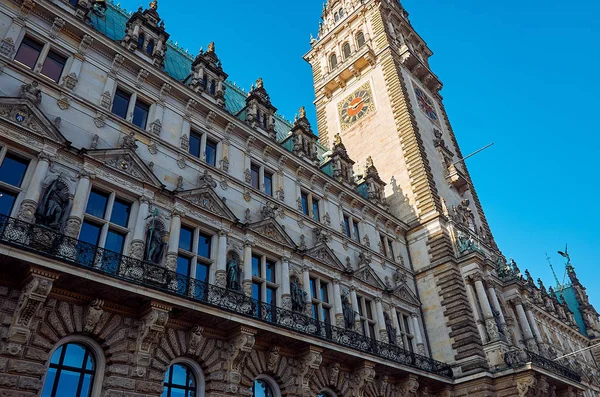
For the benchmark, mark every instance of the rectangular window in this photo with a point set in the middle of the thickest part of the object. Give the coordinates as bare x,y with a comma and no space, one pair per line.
53,66
319,291
202,272
7,202
195,249
183,265
204,245
315,209
12,170
28,52
115,241
323,290
121,103
255,176
356,233
264,278
97,203
366,317
270,271
268,183
90,233
195,144
185,238
304,198
390,249
120,213
256,266
140,114
211,152
347,226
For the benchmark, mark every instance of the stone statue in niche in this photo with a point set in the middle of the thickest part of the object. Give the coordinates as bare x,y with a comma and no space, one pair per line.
155,244
233,271
53,206
348,312
298,295
389,327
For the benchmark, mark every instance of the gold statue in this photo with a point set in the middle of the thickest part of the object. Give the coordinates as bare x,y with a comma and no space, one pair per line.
211,47
302,112
369,162
153,5
259,83
337,139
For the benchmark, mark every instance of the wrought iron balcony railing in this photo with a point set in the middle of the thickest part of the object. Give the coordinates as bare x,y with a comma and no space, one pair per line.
519,358
41,240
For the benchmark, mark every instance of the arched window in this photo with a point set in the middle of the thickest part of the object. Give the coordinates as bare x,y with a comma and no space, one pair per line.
346,50
341,12
150,47
336,17
204,81
332,61
261,388
141,39
180,381
71,372
324,394
360,39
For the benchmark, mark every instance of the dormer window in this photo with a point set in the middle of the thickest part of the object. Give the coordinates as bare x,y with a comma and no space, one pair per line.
336,17
346,50
150,47
333,61
360,39
212,88
341,13
141,39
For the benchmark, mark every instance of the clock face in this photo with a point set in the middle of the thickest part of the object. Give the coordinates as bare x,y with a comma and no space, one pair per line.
426,104
356,106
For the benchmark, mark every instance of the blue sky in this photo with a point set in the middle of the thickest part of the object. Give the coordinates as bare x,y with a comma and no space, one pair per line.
522,74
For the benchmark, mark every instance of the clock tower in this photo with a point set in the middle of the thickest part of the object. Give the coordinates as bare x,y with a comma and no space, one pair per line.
375,88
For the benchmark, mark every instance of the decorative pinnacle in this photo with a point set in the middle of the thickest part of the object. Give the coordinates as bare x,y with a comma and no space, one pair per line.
153,5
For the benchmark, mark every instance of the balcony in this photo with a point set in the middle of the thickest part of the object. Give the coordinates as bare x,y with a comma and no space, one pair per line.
347,68
521,358
50,244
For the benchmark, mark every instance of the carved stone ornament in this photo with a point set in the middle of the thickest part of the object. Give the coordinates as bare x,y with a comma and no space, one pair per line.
309,363
205,180
361,378
273,358
94,313
195,339
32,298
239,350
322,236
269,211
526,387
32,92
185,142
151,327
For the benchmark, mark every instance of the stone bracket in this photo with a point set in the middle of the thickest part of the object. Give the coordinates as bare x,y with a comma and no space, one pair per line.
151,327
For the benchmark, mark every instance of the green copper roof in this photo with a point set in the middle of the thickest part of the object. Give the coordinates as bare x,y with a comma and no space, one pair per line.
568,295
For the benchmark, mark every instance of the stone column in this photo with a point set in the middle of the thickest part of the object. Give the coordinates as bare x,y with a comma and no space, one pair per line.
221,260
337,303
383,336
354,300
533,324
173,247
475,308
82,192
399,340
417,331
307,291
286,296
34,190
488,315
137,245
498,308
106,98
527,333
247,284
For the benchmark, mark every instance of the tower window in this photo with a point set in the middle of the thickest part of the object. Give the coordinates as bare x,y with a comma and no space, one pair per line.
141,39
360,39
150,47
333,61
336,16
346,50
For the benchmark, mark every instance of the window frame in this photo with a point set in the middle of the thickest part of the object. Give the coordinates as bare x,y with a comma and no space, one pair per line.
406,332
358,36
262,280
346,50
366,307
203,142
193,255
17,191
28,37
351,227
262,170
387,246
332,61
52,53
196,369
105,222
316,299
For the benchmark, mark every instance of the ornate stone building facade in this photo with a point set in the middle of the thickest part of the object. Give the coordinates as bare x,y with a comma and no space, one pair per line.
165,233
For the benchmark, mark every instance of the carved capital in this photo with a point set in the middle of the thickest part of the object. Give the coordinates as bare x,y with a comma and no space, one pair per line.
93,315
195,339
361,378
151,327
526,386
309,363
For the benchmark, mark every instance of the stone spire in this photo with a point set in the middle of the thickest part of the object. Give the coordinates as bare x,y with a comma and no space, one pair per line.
208,75
305,142
260,111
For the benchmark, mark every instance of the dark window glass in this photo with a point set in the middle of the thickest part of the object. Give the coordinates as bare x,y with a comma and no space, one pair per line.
313,288
406,326
336,17
347,226
382,242
369,311
54,65
261,389
356,233
270,268
360,39
195,143
115,241
204,81
326,316
179,382
141,39
28,52
13,169
90,233
202,272
323,291
346,50
183,265
211,152
268,184
333,61
212,88
372,331
120,213
315,311
256,291
390,249
255,176
304,199
204,245
256,266
7,201
150,47
315,209
96,205
121,103
73,2
71,372
271,296
140,114
185,238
